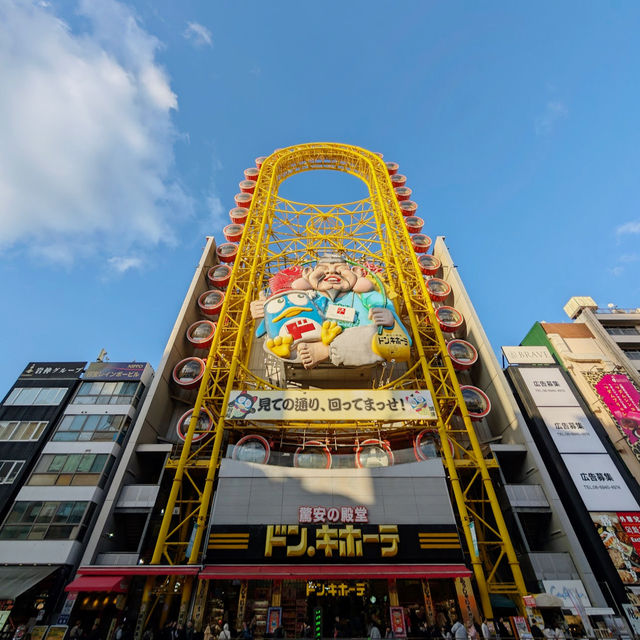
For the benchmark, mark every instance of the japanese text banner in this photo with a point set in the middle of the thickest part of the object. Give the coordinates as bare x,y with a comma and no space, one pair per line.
319,404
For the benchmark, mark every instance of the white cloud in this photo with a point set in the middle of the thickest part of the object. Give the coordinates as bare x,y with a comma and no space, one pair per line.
122,264
616,271
199,34
85,119
553,112
628,228
216,208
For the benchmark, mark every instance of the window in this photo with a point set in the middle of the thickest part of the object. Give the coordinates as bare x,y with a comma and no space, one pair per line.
47,521
9,469
28,396
633,354
622,331
109,393
81,469
21,430
104,428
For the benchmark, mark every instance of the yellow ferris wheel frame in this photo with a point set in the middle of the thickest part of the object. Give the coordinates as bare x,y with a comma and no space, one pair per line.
278,233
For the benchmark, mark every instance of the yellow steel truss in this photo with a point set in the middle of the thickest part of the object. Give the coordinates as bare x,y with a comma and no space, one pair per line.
280,233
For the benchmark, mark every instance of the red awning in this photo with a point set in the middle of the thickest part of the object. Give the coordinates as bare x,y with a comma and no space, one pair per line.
98,583
310,571
141,570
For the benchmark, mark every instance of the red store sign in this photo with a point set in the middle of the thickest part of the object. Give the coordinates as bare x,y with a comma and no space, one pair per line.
630,522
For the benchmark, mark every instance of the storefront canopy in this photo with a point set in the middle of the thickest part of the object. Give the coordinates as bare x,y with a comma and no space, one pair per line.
117,584
546,600
140,570
305,572
15,580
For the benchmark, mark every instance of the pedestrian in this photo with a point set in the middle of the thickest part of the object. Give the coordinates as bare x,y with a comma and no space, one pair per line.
502,629
225,634
388,633
472,632
458,630
548,633
484,629
374,632
76,631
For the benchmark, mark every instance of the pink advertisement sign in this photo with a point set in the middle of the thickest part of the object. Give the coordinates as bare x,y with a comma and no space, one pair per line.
623,401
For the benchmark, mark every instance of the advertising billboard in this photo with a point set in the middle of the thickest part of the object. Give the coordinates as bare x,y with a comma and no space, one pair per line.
599,483
528,355
111,371
623,551
621,397
52,370
547,387
571,430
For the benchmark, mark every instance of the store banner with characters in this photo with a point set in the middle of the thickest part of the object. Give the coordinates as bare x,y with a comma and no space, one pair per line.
620,534
325,404
332,311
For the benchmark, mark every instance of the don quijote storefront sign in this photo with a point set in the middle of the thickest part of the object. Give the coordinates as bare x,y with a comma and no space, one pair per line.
328,543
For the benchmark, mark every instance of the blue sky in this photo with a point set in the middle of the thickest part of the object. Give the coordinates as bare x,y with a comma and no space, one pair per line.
125,129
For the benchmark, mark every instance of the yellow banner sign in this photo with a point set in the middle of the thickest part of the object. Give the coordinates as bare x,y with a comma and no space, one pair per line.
330,404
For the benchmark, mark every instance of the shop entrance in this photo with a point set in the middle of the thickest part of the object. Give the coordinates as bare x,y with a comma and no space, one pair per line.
349,608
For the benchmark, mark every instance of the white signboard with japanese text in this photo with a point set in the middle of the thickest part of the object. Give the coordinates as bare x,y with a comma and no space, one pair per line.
547,387
325,404
528,355
571,430
599,483
569,591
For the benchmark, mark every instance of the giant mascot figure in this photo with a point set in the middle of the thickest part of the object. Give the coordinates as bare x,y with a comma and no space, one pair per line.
331,312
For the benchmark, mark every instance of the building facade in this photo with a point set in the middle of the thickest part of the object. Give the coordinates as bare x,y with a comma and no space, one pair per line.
329,439
593,364
70,426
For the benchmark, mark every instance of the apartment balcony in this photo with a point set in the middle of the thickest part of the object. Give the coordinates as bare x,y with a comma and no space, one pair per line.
117,559
140,497
527,497
550,566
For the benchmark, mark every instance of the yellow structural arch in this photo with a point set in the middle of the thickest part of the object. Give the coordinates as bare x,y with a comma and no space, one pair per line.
279,233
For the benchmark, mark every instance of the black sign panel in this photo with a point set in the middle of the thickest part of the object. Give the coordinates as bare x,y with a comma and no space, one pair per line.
52,370
334,544
115,371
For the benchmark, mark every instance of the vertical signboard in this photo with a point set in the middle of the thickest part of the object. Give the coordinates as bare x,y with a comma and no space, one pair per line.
571,430
620,546
547,387
621,397
599,482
